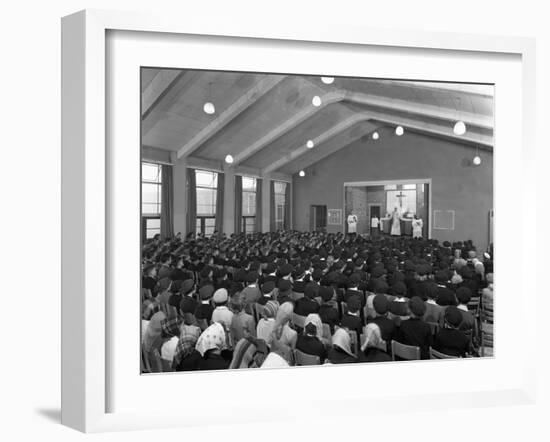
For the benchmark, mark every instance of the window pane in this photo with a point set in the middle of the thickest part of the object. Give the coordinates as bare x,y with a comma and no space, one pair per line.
206,201
209,222
150,233
208,231
151,172
390,187
150,193
206,179
249,203
409,186
153,223
280,187
198,225
249,184
150,209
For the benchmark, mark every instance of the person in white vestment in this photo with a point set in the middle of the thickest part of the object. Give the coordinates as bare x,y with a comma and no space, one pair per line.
417,225
352,222
395,223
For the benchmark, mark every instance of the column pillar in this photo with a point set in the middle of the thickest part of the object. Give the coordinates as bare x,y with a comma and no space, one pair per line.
180,196
229,200
266,203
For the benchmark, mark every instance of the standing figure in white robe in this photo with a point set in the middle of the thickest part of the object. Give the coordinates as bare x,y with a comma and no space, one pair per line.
395,223
352,223
417,225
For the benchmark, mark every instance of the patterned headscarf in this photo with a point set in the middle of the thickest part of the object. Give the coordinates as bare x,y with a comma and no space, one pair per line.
189,335
212,338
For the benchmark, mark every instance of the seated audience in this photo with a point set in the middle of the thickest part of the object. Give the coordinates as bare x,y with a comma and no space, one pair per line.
327,312
266,323
387,326
221,312
310,341
210,345
434,312
307,304
351,319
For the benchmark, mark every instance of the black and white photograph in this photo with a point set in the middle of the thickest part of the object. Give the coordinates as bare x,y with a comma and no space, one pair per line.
299,220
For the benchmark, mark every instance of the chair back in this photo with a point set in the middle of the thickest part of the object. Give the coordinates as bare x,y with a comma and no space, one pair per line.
407,352
473,306
434,354
298,321
326,332
302,358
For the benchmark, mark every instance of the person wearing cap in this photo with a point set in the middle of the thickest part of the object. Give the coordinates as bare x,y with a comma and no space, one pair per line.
464,295
269,273
204,308
351,319
309,342
307,304
434,312
180,273
251,292
266,324
243,323
399,310
445,296
284,291
414,331
165,269
221,312
450,340
327,311
381,307
299,283
186,358
268,291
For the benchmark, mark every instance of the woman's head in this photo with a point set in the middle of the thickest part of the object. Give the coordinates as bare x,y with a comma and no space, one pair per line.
373,337
342,340
212,339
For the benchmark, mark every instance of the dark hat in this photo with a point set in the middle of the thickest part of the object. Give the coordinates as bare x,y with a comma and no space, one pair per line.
270,268
300,271
268,287
286,269
187,286
176,286
423,269
326,293
311,290
463,294
380,286
163,284
453,317
317,274
399,289
206,292
284,285
430,290
354,303
441,276
417,306
377,272
355,278
381,304
219,272
240,276
187,305
251,277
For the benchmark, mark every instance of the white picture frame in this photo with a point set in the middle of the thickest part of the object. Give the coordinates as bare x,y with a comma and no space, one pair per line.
86,207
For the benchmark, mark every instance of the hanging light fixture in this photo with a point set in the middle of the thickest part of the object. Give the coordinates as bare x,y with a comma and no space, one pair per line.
316,101
302,173
229,159
310,144
459,128
477,158
399,131
327,80
375,136
209,107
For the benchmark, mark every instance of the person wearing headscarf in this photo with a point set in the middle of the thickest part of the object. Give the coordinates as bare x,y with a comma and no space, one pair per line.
374,349
210,345
274,360
341,353
153,334
287,335
186,357
310,341
266,324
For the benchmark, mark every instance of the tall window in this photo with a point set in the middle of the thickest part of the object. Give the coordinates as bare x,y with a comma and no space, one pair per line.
280,189
249,205
151,183
207,185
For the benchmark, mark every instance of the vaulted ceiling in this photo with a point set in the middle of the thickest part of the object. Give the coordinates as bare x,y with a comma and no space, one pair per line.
264,121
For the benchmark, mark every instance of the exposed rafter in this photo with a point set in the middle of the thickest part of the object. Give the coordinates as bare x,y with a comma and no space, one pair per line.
261,88
333,131
184,81
156,87
292,122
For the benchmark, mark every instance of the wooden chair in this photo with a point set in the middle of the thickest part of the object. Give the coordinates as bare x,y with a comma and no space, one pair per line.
434,354
474,306
305,359
326,332
354,342
486,340
406,352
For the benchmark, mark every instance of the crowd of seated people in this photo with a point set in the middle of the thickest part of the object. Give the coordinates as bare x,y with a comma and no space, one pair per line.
299,298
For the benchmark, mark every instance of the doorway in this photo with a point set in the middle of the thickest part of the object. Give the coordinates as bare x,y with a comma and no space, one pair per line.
318,218
374,212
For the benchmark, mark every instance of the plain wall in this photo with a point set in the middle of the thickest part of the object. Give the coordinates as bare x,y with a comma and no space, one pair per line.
456,183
